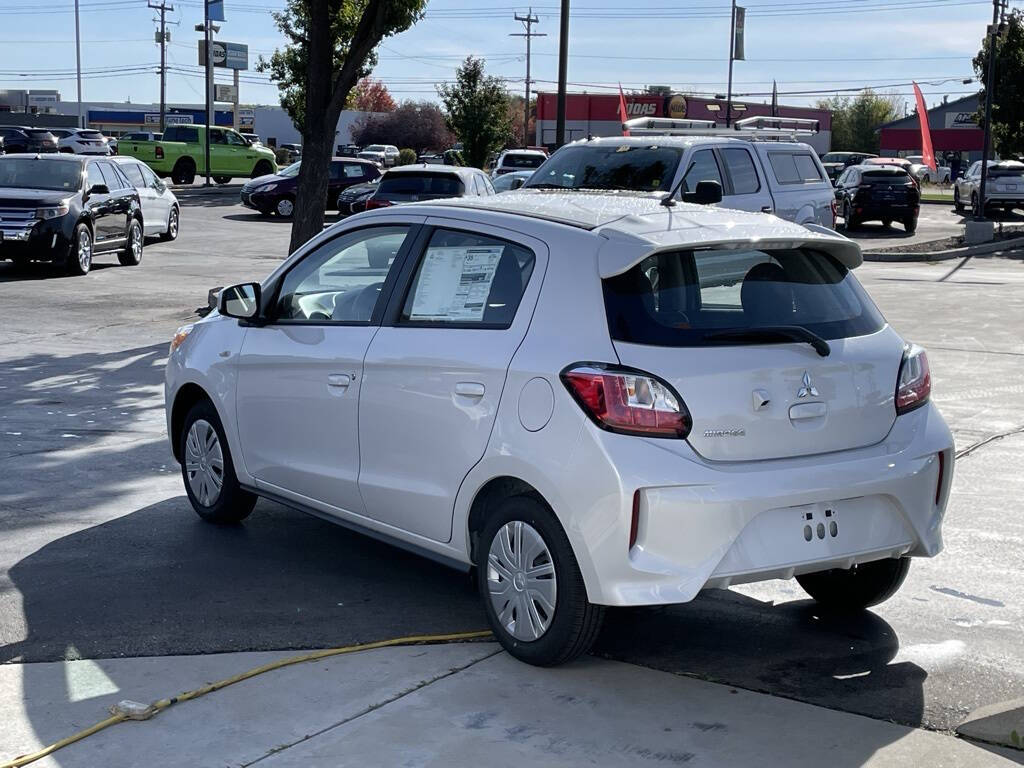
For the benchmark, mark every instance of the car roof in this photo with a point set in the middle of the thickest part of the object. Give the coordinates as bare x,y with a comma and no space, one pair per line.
441,170
641,224
683,142
535,152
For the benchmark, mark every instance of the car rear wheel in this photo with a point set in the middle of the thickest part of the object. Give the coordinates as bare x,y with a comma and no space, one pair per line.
207,469
531,585
172,225
285,207
910,225
184,172
860,587
848,220
131,256
79,260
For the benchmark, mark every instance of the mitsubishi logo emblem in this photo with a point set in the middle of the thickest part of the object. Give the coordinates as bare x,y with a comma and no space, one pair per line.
808,389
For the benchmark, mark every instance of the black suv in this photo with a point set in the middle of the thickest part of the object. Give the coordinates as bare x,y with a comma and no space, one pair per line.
877,193
66,209
18,139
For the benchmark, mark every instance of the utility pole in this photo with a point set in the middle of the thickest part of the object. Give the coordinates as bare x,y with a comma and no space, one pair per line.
78,65
163,38
998,7
528,21
732,52
563,69
210,115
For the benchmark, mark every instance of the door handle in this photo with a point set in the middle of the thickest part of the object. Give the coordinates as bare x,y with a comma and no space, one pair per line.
469,389
339,380
766,209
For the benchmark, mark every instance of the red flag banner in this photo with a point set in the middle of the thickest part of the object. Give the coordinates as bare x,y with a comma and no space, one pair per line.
623,111
928,156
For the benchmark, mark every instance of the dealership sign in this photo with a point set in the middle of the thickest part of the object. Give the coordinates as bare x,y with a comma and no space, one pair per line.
229,55
960,120
153,118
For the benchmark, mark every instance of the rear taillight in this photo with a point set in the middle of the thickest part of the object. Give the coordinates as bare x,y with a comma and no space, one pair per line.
376,203
914,384
159,153
628,401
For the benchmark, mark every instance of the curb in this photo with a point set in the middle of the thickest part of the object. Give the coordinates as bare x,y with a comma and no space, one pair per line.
952,253
1001,724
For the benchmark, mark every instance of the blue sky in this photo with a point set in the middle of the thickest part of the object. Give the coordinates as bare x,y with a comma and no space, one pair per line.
806,45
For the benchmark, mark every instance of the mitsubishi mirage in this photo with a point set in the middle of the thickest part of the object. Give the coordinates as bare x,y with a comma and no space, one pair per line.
591,399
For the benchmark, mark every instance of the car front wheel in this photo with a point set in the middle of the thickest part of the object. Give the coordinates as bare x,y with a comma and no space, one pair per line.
531,585
207,469
79,260
859,587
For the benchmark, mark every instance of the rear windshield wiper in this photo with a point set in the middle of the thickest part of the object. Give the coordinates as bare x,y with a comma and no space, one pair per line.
773,332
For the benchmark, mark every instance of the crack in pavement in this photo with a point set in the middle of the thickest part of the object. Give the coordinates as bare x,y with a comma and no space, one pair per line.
372,708
963,452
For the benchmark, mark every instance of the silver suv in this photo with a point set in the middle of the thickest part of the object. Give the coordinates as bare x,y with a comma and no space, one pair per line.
781,177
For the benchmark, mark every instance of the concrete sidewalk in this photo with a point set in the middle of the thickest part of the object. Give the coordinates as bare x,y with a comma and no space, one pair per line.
464,705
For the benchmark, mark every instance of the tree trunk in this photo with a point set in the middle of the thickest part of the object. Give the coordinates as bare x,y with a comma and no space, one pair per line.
311,191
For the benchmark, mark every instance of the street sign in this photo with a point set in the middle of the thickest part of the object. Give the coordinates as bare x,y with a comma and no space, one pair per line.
153,118
216,10
223,92
229,55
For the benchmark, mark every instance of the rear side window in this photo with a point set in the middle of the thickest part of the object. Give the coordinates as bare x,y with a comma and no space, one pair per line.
466,279
134,174
741,170
181,133
794,167
680,298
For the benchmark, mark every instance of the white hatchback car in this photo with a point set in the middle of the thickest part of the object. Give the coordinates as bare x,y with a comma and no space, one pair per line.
595,399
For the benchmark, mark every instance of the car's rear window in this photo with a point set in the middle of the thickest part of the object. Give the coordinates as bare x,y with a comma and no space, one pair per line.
679,298
90,135
886,176
522,161
609,166
1005,170
38,133
420,184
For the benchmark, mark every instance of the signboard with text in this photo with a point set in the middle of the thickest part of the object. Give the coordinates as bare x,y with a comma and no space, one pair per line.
229,55
153,118
960,120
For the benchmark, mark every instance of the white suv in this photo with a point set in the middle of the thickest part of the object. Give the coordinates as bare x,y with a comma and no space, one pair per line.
596,400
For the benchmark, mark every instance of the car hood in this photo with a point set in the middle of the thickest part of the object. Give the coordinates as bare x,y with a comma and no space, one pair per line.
12,197
270,178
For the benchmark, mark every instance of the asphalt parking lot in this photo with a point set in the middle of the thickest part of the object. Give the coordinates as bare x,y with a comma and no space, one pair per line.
102,556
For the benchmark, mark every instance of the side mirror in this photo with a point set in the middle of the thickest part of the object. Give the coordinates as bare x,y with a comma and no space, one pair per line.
706,193
241,301
99,189
517,183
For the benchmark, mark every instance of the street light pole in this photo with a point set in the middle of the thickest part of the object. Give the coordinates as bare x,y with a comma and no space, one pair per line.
997,7
563,69
78,65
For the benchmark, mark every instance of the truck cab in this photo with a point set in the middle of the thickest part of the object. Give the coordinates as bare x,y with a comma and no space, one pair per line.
181,154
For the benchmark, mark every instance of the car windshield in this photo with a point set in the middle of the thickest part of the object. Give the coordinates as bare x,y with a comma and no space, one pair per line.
609,166
30,173
522,161
290,171
710,297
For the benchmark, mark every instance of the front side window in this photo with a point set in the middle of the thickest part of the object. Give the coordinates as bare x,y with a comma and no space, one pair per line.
688,298
93,176
113,181
703,167
741,171
467,279
234,139
609,166
341,280
217,137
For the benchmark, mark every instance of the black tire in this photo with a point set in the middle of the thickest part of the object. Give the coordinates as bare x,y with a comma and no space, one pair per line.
232,504
956,201
184,171
263,168
174,217
974,204
131,256
576,621
860,587
848,221
73,265
910,225
222,179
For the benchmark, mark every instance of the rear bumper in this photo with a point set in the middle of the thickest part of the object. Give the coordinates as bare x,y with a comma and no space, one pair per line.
708,524
885,210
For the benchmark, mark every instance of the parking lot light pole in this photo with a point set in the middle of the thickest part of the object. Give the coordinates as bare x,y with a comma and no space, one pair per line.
209,87
563,69
997,7
78,65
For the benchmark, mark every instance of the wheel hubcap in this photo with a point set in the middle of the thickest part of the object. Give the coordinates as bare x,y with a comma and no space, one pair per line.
136,241
285,207
172,225
521,581
84,250
204,462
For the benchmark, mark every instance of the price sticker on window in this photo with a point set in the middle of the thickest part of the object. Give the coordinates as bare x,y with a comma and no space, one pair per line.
454,283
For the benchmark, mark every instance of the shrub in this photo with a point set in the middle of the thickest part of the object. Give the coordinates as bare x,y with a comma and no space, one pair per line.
406,156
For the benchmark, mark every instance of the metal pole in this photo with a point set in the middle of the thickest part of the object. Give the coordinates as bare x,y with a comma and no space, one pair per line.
78,65
732,52
563,68
209,86
234,111
528,21
163,65
989,85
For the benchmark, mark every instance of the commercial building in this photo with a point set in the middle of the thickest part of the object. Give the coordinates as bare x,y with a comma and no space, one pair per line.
952,128
597,114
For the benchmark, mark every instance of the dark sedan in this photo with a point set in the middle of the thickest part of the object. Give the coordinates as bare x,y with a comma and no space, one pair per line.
275,193
67,209
878,193
18,139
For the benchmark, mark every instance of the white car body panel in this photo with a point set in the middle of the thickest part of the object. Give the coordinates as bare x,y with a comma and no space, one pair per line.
156,198
709,516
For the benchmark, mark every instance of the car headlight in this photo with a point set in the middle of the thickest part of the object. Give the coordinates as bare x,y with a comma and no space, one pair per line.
52,213
180,335
266,188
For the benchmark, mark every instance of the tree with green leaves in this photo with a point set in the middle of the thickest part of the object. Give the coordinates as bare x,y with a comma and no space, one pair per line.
1008,93
476,110
855,120
331,46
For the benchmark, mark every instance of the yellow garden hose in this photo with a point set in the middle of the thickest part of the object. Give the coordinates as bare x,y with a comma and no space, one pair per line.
162,704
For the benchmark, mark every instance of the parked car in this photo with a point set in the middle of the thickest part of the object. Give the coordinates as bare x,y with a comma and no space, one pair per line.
67,209
289,153
386,155
412,183
19,139
276,193
81,141
253,139
161,214
781,177
112,143
143,136
883,193
636,402
354,198
899,162
347,150
1004,187
181,154
510,181
924,173
835,163
518,160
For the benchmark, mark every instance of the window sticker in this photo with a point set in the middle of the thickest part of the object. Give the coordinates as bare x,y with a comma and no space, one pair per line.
454,283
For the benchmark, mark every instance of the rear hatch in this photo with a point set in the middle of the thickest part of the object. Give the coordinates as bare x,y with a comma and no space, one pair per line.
719,326
887,186
41,138
90,138
412,186
1007,178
